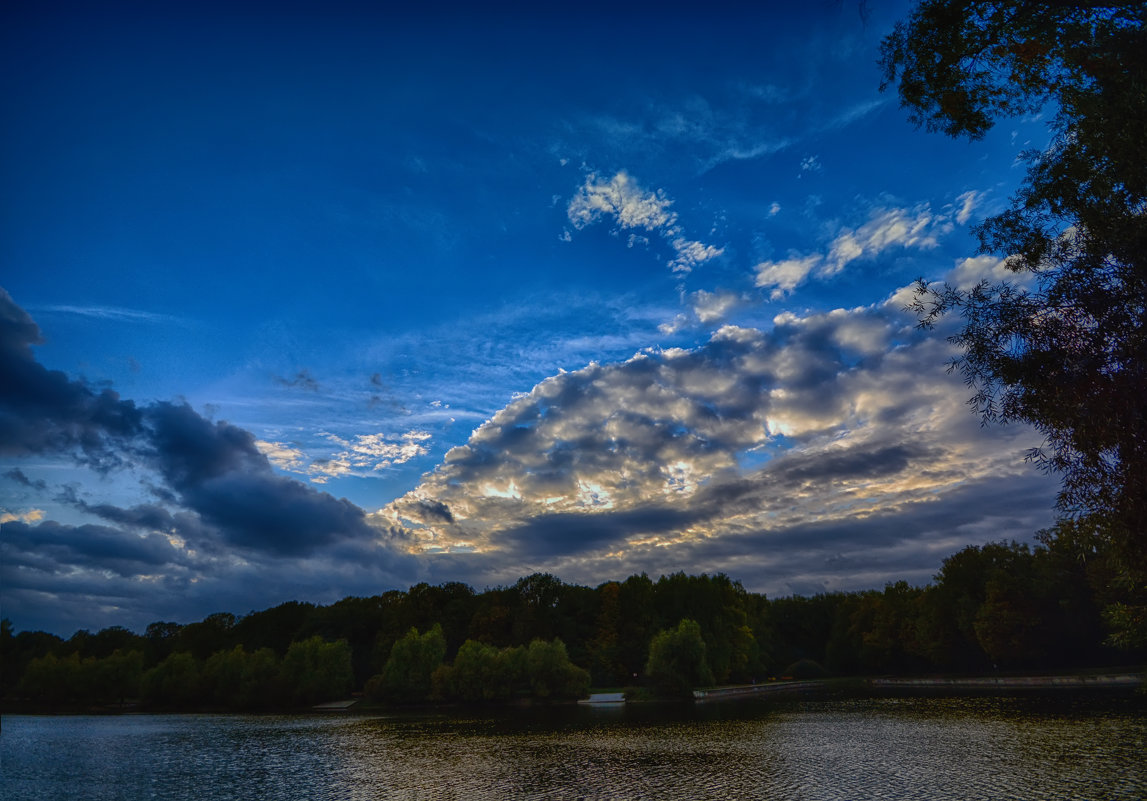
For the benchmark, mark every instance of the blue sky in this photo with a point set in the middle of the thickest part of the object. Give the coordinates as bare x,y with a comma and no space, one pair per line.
330,301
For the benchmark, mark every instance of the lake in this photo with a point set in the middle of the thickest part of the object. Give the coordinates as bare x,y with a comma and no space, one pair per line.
1025,747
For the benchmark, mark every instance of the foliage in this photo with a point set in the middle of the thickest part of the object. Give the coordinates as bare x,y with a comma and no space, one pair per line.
53,680
1002,605
959,64
318,671
406,678
174,682
1128,625
677,660
1062,346
241,679
481,673
552,675
717,604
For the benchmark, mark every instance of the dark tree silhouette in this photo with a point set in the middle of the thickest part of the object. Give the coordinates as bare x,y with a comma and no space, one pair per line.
1064,345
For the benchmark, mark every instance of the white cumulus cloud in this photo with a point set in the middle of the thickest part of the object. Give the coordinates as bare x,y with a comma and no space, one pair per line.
624,202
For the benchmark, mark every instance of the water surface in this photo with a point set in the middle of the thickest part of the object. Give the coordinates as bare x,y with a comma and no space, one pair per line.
926,748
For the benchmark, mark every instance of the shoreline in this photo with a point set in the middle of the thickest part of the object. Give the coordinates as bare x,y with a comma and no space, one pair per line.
1117,681
1105,681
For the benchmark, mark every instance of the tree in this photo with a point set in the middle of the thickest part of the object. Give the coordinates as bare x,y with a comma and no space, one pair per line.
317,671
1064,345
481,673
53,680
603,647
210,635
173,682
406,678
677,661
117,676
552,675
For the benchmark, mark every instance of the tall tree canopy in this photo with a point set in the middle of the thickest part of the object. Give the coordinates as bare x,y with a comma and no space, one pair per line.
1061,346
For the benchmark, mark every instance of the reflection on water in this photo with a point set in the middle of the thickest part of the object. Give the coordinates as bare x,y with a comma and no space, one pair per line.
963,748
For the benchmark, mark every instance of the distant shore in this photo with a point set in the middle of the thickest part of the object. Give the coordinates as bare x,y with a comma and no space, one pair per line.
1070,682
1113,681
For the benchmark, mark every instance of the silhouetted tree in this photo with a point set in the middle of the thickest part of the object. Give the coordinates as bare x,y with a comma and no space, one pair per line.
1063,346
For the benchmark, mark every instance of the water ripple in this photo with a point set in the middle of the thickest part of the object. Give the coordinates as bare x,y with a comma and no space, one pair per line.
965,749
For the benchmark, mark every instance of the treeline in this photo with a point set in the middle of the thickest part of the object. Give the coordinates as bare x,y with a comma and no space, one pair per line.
1002,606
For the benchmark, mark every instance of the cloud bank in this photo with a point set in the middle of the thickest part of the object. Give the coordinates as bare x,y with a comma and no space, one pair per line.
215,503
746,451
830,451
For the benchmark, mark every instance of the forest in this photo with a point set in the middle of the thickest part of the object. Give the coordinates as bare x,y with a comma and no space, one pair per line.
997,607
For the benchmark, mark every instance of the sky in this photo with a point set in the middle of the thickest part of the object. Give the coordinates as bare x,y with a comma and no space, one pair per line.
328,301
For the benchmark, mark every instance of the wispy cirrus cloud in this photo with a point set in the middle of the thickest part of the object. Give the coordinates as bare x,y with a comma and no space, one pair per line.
918,228
113,313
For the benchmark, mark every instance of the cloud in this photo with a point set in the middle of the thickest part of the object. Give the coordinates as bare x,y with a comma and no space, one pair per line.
714,307
826,420
785,276
114,313
919,228
369,453
620,198
828,451
977,269
886,228
624,202
45,412
692,132
29,516
691,253
18,476
969,202
302,379
211,469
361,455
86,546
283,456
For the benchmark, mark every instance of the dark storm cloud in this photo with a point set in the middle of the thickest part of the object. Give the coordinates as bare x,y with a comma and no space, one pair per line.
908,540
210,468
791,472
44,412
150,517
89,545
563,534
427,511
857,463
568,534
275,514
50,592
188,449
